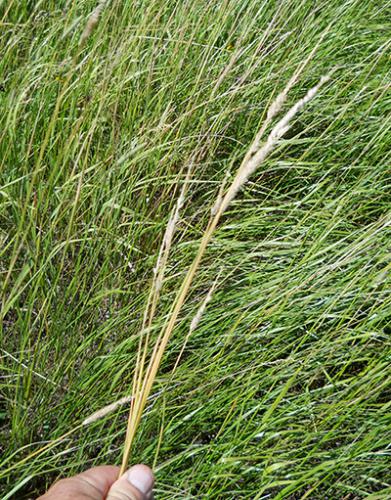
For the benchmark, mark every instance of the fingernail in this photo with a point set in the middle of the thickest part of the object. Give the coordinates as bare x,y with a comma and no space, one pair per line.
141,478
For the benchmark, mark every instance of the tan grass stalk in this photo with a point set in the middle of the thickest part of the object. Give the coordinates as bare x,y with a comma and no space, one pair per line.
157,283
167,239
249,165
220,194
92,21
164,251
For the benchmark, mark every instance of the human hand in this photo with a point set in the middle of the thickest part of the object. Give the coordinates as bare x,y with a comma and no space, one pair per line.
102,483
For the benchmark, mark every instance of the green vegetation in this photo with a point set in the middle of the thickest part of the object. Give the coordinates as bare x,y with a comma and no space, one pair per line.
283,389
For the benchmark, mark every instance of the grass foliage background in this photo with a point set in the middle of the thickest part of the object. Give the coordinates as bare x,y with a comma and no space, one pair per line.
283,390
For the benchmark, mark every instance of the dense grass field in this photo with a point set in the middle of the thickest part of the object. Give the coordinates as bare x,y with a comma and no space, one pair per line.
283,389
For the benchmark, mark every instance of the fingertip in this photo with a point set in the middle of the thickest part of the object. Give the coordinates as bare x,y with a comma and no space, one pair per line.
141,477
135,484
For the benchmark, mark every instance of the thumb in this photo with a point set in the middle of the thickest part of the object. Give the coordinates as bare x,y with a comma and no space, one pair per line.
135,484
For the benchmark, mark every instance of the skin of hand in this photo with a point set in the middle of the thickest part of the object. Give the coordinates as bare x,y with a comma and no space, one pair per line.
102,483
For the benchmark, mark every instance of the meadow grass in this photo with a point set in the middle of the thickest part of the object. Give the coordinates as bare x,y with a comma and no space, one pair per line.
282,389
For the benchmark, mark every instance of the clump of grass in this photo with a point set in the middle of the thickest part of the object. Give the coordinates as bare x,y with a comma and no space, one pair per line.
282,388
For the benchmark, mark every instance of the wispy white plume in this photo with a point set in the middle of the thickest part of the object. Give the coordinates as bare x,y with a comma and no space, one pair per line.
251,163
106,410
93,21
196,320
